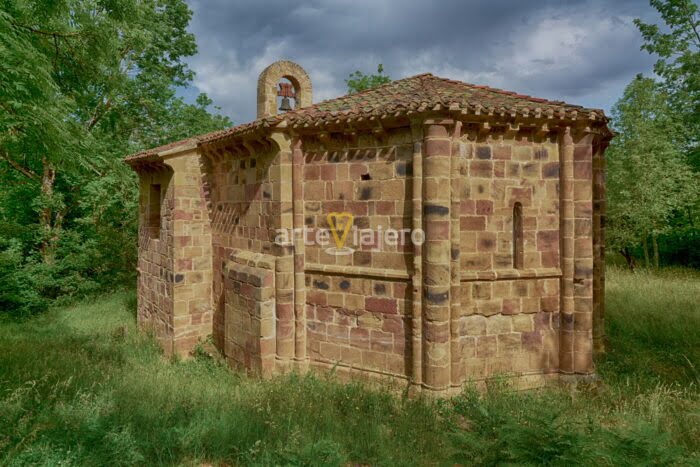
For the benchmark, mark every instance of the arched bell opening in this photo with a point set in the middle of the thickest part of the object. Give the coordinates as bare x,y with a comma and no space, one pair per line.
286,95
283,82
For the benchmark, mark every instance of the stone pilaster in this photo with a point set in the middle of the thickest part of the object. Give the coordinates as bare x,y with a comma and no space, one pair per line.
191,252
417,278
599,210
566,235
456,182
284,264
299,258
436,254
583,253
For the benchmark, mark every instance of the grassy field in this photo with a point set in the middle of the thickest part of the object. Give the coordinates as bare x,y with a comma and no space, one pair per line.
79,386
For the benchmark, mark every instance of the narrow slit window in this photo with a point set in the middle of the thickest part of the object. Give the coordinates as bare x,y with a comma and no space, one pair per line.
154,200
518,236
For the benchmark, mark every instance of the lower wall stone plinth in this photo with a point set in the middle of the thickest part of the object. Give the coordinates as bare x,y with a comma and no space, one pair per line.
250,325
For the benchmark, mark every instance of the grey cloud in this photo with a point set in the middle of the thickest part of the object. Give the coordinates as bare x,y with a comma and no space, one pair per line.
582,51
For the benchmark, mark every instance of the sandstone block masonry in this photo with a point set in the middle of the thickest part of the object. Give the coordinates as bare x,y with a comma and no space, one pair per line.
507,191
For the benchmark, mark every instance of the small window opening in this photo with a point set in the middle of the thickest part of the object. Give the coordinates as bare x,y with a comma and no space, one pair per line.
365,177
518,236
154,201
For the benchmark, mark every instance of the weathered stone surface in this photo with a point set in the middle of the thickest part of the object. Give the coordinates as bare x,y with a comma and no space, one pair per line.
480,295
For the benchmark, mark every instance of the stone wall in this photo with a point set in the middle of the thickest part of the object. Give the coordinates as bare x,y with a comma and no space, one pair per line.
509,317
244,211
155,265
371,182
359,322
191,251
507,327
465,305
175,256
495,177
358,306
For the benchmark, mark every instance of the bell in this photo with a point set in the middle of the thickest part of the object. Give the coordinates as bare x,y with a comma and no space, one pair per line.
285,106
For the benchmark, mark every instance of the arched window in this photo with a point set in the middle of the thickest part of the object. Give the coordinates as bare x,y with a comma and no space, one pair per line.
518,236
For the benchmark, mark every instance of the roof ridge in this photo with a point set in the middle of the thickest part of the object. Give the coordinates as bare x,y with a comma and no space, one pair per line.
365,91
503,91
429,85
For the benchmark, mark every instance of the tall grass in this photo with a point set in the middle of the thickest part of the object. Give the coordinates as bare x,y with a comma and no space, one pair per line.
653,326
79,386
78,389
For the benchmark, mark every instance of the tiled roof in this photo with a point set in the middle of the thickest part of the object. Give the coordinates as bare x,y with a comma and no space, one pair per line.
415,94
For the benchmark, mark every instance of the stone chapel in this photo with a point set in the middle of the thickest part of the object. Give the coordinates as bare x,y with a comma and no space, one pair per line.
427,231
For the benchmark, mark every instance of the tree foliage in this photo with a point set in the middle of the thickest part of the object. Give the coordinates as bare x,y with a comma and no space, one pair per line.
650,183
654,162
677,46
82,83
359,81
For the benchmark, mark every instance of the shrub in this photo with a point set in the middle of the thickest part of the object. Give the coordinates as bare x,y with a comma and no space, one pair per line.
19,293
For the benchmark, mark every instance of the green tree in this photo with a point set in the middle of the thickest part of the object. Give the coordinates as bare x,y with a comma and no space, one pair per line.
82,83
677,46
34,131
649,179
359,81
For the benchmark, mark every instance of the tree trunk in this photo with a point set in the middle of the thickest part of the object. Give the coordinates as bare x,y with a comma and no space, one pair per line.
49,234
655,246
645,247
625,252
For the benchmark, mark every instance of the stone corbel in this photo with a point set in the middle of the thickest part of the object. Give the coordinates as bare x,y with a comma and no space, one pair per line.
351,136
485,129
512,130
380,134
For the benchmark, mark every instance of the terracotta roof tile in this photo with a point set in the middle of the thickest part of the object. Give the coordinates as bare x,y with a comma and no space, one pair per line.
417,93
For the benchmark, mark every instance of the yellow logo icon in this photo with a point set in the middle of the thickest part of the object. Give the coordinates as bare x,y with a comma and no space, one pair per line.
340,224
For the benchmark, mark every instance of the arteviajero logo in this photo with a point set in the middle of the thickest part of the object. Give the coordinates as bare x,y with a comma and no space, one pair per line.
347,238
340,224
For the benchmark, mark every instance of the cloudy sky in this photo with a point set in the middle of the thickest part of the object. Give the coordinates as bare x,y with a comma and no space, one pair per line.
581,51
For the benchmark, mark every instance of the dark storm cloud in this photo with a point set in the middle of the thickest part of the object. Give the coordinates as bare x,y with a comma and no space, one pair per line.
582,51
